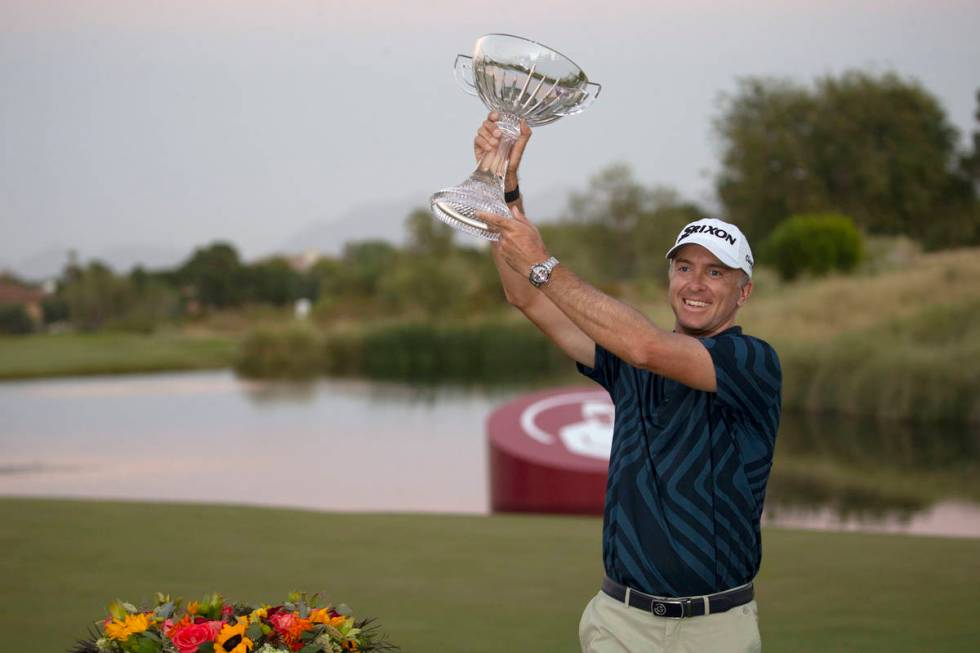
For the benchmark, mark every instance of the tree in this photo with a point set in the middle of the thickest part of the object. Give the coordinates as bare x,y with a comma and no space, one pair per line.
274,281
877,148
428,236
215,275
14,320
364,263
95,295
970,163
620,228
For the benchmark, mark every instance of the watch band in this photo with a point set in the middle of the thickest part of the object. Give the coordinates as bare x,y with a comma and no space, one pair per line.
513,195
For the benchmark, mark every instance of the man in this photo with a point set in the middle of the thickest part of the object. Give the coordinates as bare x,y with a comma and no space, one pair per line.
697,410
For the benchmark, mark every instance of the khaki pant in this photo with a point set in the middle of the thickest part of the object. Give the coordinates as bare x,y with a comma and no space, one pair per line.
609,626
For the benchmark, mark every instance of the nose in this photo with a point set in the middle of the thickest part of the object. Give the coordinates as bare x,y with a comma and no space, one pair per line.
699,281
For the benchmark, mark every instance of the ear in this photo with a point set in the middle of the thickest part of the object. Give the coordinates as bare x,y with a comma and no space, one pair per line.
743,293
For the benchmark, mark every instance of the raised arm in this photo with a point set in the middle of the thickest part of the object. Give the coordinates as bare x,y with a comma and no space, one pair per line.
517,288
616,326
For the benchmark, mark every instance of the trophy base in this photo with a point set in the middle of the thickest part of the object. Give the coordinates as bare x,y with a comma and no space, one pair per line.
458,206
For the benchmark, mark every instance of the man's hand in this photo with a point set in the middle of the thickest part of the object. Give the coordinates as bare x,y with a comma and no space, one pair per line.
488,140
520,244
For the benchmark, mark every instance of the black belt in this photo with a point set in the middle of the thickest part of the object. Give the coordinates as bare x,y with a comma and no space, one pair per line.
676,608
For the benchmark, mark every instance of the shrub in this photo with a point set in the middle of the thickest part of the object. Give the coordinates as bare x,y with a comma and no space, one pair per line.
814,243
291,352
55,309
15,320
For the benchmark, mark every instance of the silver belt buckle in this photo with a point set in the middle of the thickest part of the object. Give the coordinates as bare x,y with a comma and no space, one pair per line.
659,607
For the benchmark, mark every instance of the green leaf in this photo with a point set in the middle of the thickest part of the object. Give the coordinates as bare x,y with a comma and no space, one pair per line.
344,609
206,647
140,643
164,610
117,610
254,631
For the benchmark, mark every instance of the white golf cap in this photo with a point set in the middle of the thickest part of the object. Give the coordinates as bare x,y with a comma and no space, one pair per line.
723,239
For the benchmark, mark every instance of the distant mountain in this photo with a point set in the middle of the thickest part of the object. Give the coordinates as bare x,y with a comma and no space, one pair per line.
122,258
386,221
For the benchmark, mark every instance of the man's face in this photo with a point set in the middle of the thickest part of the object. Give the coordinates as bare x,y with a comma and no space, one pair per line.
704,293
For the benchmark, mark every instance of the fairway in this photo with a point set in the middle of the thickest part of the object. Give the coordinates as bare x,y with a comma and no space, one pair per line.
453,583
76,354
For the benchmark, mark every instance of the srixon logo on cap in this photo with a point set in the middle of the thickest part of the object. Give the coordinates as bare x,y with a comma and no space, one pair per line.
707,229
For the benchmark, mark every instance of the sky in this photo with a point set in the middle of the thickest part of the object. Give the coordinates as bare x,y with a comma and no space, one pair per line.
171,124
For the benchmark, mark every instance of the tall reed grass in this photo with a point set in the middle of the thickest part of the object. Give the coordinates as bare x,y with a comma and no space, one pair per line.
479,352
923,367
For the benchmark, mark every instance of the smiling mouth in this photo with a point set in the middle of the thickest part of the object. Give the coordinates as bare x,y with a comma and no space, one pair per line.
694,303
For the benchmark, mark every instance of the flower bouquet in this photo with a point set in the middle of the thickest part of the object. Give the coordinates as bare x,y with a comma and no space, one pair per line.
214,626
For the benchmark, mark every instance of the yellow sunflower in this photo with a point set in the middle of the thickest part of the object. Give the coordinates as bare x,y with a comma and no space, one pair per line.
120,630
322,616
232,639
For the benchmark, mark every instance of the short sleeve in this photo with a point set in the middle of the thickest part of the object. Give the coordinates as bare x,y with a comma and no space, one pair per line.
607,368
748,374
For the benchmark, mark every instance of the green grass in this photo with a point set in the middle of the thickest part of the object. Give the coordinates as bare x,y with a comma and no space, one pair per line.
453,583
111,353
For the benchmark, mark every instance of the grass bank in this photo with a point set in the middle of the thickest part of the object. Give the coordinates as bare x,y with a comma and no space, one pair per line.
919,367
44,355
451,583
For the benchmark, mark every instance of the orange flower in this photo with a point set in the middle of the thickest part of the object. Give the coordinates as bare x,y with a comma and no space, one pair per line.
322,616
186,621
290,627
298,627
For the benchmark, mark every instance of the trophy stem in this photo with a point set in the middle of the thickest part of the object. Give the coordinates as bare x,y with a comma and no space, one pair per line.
484,190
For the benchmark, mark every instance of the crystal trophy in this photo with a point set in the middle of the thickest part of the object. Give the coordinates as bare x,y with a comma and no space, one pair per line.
517,78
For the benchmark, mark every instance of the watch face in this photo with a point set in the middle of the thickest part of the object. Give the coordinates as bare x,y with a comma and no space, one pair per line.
539,273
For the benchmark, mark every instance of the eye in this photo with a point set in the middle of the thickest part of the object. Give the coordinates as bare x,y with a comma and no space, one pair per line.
683,268
716,273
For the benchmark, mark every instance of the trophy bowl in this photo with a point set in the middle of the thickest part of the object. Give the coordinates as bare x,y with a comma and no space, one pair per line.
518,78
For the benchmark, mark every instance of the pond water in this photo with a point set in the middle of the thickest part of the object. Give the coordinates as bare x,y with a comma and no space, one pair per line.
360,446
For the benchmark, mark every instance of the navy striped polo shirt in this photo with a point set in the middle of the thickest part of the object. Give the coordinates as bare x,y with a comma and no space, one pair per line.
688,469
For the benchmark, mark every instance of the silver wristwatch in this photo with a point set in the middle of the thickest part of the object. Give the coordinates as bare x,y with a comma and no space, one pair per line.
541,272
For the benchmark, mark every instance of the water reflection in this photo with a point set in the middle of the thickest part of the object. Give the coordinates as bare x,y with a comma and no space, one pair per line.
847,474
358,446
211,437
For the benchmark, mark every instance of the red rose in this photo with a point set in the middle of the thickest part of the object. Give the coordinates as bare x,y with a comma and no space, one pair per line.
282,621
188,638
